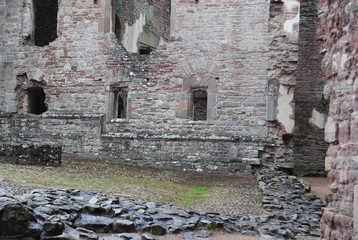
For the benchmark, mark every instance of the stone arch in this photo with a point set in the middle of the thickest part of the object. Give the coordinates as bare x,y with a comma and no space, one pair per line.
199,66
31,92
199,74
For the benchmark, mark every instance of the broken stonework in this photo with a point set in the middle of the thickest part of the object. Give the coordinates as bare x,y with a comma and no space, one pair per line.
116,72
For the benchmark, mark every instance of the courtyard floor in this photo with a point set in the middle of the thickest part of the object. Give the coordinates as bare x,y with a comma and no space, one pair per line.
237,195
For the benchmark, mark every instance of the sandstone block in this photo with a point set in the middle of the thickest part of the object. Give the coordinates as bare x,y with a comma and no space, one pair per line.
331,131
328,163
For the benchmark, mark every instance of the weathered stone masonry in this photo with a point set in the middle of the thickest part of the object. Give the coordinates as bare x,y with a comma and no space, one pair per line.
338,30
310,106
121,82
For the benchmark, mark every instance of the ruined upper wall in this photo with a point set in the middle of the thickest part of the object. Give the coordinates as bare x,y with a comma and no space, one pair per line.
338,31
78,69
222,49
310,106
142,24
283,54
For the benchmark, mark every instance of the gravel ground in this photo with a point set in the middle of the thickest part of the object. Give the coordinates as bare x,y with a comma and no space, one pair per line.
228,194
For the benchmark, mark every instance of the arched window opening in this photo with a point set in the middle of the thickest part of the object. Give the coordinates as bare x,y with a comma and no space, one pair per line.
36,100
45,12
200,105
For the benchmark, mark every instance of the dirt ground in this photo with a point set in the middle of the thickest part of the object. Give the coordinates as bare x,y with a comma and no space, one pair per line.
319,186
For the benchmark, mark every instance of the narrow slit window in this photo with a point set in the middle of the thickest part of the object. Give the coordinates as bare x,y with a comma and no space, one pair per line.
200,105
45,21
36,100
117,28
120,104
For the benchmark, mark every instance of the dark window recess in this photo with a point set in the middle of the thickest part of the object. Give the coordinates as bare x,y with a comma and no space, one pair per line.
196,1
200,105
121,104
145,51
117,28
36,100
287,138
45,21
95,1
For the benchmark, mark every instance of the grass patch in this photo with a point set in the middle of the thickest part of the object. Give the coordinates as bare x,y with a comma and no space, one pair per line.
195,194
104,177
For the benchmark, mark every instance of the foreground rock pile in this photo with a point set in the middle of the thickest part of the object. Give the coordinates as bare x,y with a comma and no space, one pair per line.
289,212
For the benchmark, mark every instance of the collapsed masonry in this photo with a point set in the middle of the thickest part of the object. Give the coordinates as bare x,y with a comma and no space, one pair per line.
189,85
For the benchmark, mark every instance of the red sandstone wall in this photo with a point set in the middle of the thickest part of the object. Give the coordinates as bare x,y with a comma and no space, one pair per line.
226,42
223,47
338,30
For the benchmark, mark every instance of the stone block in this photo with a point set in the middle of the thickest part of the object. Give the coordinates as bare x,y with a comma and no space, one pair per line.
354,130
343,132
36,74
318,119
331,131
271,112
328,164
252,161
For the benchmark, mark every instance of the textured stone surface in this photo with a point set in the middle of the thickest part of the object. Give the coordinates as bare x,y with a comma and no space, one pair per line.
337,30
81,70
29,154
309,146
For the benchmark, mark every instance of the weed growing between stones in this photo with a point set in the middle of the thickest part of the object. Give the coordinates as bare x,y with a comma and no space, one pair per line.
193,195
126,145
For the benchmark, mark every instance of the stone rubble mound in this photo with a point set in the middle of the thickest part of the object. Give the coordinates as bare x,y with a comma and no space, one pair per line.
289,210
289,213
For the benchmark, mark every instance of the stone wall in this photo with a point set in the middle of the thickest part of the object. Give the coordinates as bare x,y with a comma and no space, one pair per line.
142,24
82,137
337,30
310,106
225,50
31,155
283,55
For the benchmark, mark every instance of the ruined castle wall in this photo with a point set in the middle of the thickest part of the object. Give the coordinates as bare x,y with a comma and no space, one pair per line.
222,49
338,23
310,106
283,55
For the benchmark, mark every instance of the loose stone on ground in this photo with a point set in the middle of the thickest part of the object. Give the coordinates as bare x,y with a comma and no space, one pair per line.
289,213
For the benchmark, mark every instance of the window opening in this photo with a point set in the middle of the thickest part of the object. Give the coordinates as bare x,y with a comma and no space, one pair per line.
120,104
36,100
94,1
145,51
117,27
200,104
45,21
